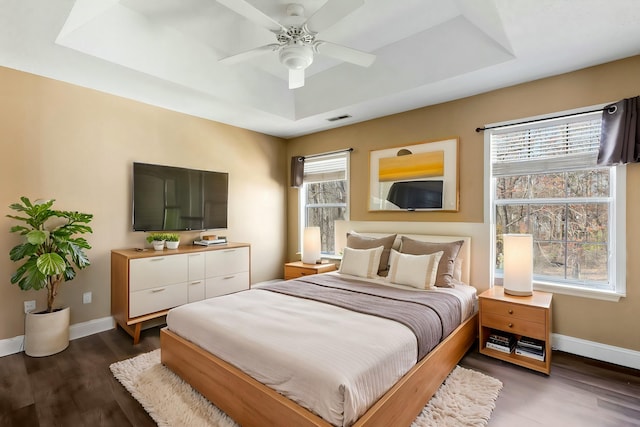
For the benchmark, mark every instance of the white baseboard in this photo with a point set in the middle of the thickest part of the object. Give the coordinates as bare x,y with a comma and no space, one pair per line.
78,330
594,350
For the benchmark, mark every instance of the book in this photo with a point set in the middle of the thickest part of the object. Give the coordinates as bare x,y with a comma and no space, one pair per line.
210,242
501,337
499,347
531,343
520,351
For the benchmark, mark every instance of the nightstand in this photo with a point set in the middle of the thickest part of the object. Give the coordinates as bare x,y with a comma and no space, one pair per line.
528,317
293,270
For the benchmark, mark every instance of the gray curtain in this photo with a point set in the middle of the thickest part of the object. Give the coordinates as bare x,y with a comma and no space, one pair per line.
620,137
297,171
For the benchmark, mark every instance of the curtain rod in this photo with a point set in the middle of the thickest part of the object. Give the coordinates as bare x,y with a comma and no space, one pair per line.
611,109
310,156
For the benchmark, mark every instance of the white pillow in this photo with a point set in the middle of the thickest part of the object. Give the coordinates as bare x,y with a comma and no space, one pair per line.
418,271
361,262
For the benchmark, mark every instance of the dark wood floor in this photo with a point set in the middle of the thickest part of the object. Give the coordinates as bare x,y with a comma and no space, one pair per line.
75,388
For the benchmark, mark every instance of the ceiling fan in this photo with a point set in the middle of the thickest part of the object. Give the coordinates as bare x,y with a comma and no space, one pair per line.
296,37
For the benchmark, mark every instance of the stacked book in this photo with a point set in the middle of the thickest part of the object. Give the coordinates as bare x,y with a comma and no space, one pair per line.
501,341
530,347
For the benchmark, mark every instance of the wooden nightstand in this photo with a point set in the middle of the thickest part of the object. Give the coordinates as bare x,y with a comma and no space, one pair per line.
293,270
521,316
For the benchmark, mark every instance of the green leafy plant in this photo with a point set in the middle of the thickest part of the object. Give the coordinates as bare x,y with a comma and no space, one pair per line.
172,237
51,248
156,237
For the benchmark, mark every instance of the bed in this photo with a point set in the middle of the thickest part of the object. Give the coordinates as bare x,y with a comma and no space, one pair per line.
366,374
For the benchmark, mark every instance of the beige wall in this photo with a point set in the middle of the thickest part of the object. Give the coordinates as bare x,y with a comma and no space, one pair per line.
588,319
77,146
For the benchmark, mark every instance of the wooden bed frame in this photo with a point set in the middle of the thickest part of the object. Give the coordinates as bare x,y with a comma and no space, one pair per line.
253,404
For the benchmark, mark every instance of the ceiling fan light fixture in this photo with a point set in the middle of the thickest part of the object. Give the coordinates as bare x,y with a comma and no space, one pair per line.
296,56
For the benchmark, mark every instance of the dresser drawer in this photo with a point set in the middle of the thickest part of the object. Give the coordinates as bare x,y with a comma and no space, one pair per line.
514,325
222,285
148,273
156,299
226,261
515,311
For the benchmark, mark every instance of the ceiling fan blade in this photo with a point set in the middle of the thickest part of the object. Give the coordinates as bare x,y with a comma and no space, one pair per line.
344,53
243,8
330,13
244,56
296,78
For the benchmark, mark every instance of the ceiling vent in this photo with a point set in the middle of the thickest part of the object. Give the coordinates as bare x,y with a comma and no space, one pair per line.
334,119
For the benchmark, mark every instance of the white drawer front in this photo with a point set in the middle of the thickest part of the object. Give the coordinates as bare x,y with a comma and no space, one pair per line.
227,261
196,266
222,285
147,273
195,290
161,298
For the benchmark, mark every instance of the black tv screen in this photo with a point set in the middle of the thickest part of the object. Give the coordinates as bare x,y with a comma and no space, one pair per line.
176,199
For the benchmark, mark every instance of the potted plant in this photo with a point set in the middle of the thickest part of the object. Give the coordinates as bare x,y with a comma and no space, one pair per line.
172,240
157,240
52,251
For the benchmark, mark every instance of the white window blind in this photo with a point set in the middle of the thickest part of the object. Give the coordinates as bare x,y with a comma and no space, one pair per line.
546,147
326,168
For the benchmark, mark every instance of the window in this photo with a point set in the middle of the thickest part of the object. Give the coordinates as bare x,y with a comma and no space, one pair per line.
545,182
324,196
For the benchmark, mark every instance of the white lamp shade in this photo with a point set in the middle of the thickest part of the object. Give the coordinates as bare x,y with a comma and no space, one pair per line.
311,245
518,264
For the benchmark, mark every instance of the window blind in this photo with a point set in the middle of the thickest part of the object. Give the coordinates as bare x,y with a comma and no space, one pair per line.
546,147
332,167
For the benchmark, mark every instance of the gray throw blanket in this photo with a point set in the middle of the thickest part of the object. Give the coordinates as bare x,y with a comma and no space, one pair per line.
431,316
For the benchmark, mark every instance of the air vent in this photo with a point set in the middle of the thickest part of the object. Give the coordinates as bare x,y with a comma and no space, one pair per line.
334,119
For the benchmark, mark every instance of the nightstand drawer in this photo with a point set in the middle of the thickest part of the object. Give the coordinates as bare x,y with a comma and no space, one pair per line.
294,272
515,311
514,325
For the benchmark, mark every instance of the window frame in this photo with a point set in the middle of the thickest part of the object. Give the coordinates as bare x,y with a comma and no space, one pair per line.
302,197
617,223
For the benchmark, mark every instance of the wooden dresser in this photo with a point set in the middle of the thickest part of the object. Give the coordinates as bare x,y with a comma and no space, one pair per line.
528,317
146,284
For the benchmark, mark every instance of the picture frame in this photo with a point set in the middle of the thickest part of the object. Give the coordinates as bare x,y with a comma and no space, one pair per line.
415,177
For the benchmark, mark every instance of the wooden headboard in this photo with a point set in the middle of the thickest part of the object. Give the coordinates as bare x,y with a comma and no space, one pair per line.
464,256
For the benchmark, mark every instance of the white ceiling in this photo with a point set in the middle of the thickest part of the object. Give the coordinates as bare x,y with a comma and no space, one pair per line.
166,52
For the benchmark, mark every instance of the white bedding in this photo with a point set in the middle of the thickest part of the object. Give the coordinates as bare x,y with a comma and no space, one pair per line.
334,361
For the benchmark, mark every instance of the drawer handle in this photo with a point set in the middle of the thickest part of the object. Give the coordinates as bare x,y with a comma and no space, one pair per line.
230,250
228,277
196,282
153,291
156,259
510,311
195,255
510,325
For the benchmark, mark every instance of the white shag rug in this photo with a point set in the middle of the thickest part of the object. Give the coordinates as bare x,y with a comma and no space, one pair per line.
465,399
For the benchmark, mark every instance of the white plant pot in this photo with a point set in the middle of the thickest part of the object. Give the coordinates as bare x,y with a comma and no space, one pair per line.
46,333
158,245
172,245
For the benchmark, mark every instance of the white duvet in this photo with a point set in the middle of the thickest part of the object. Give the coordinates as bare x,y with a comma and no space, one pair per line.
332,361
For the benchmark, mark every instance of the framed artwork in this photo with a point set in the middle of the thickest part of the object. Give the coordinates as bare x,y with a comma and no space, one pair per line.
419,177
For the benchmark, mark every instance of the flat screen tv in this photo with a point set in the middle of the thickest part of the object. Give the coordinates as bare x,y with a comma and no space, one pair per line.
177,199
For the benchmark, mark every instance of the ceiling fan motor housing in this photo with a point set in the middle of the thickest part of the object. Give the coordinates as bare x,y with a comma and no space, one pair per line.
296,56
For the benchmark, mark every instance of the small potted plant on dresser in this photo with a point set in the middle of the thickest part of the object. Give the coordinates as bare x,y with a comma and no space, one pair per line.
52,250
157,240
172,240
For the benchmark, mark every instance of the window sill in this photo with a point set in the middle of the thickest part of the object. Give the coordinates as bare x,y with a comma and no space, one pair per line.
585,293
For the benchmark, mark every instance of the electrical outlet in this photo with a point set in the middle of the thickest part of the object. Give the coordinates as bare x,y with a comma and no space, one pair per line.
86,298
29,306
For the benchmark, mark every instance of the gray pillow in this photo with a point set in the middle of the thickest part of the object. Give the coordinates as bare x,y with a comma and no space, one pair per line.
446,265
358,241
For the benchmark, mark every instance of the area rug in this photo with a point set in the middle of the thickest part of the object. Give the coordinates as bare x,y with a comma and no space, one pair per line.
466,398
